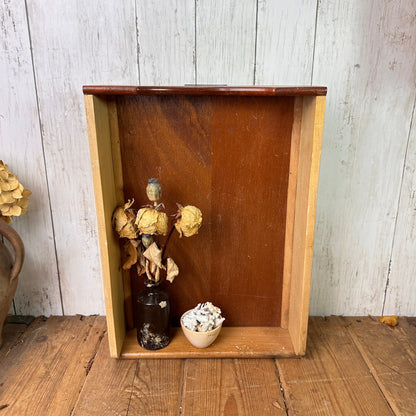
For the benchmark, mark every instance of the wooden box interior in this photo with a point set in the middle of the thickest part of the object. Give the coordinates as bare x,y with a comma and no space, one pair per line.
249,159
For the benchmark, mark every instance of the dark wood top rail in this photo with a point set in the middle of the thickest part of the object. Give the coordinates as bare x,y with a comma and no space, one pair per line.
202,90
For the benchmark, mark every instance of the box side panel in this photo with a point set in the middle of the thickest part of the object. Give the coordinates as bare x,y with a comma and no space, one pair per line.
106,200
304,221
290,210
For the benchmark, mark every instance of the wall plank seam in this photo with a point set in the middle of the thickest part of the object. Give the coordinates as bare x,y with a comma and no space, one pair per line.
255,43
136,20
314,40
393,242
44,159
195,55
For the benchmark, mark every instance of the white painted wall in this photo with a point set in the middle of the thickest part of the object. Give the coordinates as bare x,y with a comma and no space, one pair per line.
364,51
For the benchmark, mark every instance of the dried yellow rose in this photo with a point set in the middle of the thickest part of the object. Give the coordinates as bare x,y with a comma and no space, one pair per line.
150,221
189,222
13,196
123,221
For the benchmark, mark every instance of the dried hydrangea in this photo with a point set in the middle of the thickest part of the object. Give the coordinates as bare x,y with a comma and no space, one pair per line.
124,221
151,221
189,222
204,317
13,196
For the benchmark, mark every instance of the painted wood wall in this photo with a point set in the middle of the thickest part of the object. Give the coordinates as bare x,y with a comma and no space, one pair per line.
364,51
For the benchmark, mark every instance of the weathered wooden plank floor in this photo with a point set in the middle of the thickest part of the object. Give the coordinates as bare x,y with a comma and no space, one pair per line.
353,366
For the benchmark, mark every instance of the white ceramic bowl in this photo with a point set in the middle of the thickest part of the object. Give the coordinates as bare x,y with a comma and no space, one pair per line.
200,339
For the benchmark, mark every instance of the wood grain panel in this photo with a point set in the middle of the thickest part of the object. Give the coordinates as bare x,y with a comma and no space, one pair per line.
365,55
284,53
251,151
51,364
168,138
231,388
333,378
166,41
107,389
282,91
225,35
241,342
390,354
74,44
21,148
157,388
400,297
230,157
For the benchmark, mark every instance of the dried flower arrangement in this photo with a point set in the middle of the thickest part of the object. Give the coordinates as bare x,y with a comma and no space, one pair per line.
13,196
140,227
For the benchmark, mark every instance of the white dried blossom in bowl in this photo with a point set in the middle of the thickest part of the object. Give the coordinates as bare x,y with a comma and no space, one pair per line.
206,321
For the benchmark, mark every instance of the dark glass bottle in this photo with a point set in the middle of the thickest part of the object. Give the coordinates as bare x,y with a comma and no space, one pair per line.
153,318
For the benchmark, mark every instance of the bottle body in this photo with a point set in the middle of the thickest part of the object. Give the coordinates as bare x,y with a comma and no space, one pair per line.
153,318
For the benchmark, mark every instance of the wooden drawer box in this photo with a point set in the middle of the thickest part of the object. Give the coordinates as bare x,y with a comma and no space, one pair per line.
248,157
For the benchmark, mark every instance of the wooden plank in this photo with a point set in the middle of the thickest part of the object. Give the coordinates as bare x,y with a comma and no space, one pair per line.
106,199
69,51
365,55
21,148
233,342
400,297
166,40
51,365
225,42
390,353
182,137
286,91
290,210
304,221
333,378
119,196
285,42
231,387
157,388
15,334
108,387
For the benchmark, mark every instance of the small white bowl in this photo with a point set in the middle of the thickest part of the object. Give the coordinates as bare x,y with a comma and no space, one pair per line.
200,339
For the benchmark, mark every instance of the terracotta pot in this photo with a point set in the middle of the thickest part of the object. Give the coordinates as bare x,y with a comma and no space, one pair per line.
9,270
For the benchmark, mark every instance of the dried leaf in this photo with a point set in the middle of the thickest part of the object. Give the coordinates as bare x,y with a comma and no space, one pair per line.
389,320
172,270
141,263
154,254
131,256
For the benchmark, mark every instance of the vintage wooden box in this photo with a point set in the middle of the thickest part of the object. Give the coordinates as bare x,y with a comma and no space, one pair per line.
248,157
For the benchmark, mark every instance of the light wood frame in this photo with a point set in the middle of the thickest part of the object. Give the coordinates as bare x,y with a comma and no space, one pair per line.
287,340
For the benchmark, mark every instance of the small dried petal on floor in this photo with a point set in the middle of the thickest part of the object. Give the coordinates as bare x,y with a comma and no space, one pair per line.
389,320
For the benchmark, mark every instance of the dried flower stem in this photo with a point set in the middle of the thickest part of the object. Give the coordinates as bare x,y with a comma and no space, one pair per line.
167,241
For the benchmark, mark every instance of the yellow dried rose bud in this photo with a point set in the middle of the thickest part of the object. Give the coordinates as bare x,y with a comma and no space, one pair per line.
153,190
150,221
123,221
189,222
